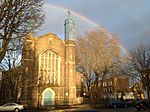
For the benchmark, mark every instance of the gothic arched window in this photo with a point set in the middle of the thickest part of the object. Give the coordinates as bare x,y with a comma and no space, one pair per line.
49,67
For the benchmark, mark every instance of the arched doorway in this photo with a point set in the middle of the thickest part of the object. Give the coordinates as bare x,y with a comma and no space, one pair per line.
48,96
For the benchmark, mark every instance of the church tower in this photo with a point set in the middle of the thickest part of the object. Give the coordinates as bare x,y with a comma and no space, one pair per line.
69,28
70,84
49,76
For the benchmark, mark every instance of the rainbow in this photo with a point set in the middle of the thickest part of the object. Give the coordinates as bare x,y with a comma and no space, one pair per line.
73,13
93,23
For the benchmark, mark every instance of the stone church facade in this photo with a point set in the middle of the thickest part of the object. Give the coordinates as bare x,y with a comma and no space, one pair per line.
49,74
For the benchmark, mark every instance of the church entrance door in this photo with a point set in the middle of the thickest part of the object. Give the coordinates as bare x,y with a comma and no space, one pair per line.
48,97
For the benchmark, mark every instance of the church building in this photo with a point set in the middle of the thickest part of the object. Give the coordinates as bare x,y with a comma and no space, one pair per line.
48,65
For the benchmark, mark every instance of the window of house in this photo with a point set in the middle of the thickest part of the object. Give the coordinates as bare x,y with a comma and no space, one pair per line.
104,83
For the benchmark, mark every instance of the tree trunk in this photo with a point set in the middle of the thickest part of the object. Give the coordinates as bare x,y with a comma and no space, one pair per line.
100,89
1,91
148,96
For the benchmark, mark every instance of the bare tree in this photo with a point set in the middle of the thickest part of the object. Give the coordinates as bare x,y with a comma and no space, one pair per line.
18,18
9,90
139,66
11,76
99,53
83,61
12,57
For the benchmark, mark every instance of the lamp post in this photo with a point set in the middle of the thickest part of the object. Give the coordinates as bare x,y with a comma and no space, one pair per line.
39,90
38,96
84,97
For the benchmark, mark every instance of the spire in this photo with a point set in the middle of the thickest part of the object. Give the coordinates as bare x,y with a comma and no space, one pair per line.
69,27
69,18
69,13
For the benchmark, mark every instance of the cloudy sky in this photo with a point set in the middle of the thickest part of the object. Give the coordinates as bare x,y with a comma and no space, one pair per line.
130,19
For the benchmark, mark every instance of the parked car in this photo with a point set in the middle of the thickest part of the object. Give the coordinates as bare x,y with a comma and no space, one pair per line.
11,107
114,103
128,103
118,103
145,103
140,107
141,104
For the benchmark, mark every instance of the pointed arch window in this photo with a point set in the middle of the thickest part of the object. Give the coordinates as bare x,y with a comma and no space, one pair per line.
49,67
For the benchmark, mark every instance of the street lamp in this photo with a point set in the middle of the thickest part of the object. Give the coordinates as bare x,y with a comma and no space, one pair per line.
38,96
66,93
84,96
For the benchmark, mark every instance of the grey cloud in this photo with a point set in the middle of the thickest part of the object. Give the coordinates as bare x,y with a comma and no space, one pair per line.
128,18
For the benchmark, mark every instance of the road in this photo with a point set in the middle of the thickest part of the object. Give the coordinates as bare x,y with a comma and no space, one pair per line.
98,110
86,108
